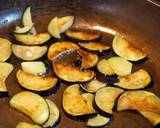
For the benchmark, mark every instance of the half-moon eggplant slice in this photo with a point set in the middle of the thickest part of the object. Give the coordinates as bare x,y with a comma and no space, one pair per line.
5,70
153,117
54,114
35,39
32,105
59,48
98,121
71,73
137,80
89,60
22,30
139,100
93,85
94,46
29,52
27,19
27,125
34,82
82,34
122,48
73,103
105,98
5,47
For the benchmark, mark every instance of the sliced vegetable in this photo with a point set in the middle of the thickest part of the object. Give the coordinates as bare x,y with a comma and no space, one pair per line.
53,28
27,19
65,23
93,85
59,48
139,100
136,80
73,103
22,30
35,39
5,47
104,67
29,52
5,70
153,117
34,82
89,60
120,66
122,48
54,114
98,121
105,98
34,67
71,73
32,105
94,46
27,125
82,34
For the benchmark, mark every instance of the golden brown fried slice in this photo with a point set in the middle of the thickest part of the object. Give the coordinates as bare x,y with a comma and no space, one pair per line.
71,73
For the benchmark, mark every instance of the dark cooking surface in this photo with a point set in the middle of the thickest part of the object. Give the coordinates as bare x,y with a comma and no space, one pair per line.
137,20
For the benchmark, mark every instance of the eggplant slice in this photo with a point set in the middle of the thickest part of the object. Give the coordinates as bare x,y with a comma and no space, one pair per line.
83,34
74,103
94,46
153,117
34,82
54,114
5,70
27,19
125,50
32,105
93,85
98,121
137,80
139,100
22,30
89,60
27,125
35,39
29,52
5,47
71,73
59,48
105,98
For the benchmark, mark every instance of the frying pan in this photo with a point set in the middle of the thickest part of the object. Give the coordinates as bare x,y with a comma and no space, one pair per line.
137,20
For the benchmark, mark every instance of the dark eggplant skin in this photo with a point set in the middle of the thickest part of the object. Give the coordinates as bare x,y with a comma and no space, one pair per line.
4,94
157,126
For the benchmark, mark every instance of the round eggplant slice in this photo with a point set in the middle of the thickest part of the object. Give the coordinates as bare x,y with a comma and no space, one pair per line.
35,39
32,105
104,67
74,103
94,46
27,19
34,82
54,114
5,47
93,86
139,100
137,80
29,52
83,34
23,30
125,50
89,60
105,98
71,73
34,67
120,66
27,125
153,117
59,48
98,121
65,23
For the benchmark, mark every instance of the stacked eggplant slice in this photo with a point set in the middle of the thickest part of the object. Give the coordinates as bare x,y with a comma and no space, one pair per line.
87,95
